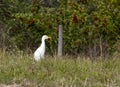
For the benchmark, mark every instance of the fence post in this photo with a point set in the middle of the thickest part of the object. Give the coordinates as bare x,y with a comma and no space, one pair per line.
60,41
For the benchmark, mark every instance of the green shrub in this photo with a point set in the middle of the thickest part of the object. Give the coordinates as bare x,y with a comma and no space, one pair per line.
91,27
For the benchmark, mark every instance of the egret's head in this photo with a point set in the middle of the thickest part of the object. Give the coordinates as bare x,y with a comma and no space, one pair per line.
45,37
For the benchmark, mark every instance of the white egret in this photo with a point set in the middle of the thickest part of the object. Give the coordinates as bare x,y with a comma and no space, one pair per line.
40,52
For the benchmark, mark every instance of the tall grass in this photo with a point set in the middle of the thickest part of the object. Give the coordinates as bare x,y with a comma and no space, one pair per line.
21,69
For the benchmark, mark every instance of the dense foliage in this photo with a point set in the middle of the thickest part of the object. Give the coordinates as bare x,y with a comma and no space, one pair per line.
91,27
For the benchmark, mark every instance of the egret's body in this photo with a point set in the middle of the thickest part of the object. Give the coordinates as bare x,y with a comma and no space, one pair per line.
40,52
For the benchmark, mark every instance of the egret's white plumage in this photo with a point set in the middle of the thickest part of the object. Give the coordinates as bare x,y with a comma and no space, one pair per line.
39,53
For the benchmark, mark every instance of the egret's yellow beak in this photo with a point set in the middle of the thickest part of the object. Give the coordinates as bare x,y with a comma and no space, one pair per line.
49,38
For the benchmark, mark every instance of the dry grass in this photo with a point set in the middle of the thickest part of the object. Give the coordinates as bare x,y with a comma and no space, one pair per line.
19,68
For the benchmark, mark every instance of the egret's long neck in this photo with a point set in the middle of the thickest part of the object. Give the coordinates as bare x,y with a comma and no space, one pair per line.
43,42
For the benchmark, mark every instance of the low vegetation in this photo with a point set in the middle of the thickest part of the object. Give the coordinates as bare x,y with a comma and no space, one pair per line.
19,68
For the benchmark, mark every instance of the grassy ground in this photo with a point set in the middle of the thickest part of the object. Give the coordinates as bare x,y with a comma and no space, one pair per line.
53,72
